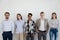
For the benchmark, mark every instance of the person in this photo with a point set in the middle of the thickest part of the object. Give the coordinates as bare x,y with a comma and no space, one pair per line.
7,27
30,28
54,24
42,27
19,27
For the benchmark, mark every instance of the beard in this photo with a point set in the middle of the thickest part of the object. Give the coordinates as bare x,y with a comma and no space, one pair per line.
7,17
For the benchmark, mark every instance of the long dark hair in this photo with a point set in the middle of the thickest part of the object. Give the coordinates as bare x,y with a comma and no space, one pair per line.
55,16
19,15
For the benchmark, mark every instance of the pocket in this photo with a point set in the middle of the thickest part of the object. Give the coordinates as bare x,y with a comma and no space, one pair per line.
56,30
3,34
11,34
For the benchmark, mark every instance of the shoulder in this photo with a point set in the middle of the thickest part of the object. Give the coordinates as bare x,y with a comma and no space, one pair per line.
16,21
33,21
57,20
50,20
3,21
22,21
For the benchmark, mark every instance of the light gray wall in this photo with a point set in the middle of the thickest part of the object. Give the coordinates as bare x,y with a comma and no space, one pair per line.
26,6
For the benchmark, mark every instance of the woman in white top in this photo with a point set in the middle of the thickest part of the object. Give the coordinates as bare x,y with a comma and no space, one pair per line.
54,24
19,27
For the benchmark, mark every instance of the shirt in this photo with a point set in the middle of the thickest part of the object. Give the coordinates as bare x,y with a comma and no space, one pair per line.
30,24
19,26
8,25
42,28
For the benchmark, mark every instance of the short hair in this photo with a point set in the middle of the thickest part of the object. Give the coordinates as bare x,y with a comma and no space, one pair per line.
55,16
29,14
7,13
41,12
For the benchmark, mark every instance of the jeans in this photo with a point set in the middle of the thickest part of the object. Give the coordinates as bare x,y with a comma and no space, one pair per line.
53,31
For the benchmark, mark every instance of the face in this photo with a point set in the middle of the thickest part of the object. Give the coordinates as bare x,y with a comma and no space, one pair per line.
29,17
7,16
53,15
42,15
18,16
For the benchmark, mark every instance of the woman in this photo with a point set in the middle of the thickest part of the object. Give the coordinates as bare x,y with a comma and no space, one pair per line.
54,24
19,27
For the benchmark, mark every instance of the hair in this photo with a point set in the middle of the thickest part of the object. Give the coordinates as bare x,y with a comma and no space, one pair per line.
7,13
29,14
55,16
42,13
19,15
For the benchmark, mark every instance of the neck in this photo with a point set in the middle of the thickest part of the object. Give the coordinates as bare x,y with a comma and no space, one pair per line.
54,18
42,17
19,19
29,19
6,19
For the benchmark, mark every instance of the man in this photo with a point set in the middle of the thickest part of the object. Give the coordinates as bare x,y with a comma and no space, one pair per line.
30,28
42,27
7,27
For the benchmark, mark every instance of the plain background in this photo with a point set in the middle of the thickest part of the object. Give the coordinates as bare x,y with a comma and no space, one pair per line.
29,6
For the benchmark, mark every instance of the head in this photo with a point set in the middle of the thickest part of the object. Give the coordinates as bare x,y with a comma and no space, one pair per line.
7,14
42,14
54,15
19,17
29,16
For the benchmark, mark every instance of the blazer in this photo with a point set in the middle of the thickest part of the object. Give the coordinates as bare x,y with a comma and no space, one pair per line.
46,24
28,27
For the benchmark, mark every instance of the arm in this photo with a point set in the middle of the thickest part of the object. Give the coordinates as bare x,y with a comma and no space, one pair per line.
37,25
47,25
12,24
15,27
2,27
58,23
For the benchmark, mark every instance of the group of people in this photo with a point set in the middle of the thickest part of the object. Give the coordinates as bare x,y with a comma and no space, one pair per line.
29,28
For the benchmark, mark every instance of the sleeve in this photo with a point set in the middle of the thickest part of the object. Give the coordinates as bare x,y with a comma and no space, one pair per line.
23,26
58,23
50,23
37,28
15,27
2,27
47,25
12,24
15,24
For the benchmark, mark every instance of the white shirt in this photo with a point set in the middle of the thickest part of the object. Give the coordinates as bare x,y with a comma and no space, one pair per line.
7,25
30,24
19,26
42,28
